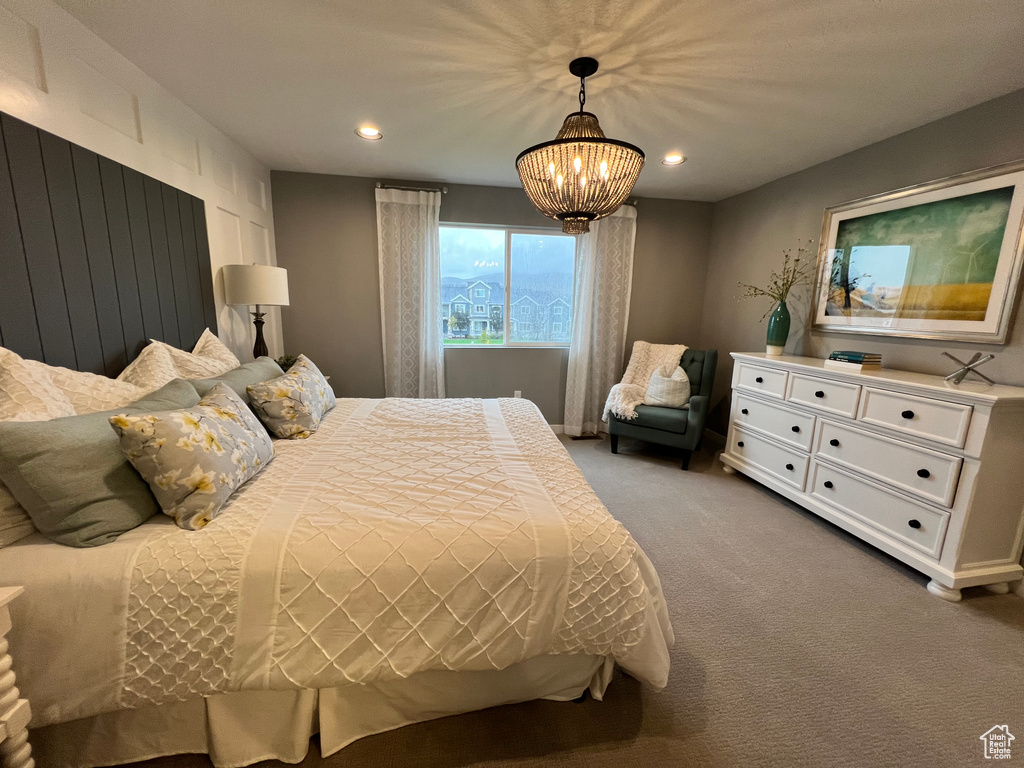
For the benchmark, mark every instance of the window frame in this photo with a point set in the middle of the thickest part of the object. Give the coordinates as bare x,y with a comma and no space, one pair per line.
506,310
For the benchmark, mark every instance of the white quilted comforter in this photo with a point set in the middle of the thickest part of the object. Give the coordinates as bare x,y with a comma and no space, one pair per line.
406,535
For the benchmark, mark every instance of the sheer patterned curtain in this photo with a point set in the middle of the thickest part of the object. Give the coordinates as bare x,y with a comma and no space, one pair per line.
409,253
604,280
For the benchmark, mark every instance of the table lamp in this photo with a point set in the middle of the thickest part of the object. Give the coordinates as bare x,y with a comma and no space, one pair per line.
256,285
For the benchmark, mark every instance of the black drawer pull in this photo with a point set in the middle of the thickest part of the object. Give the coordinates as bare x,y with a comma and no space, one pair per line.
914,523
907,414
796,429
834,443
789,467
923,473
744,411
828,483
759,380
740,443
819,393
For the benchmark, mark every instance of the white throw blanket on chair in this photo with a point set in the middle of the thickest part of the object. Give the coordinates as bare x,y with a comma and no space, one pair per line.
643,362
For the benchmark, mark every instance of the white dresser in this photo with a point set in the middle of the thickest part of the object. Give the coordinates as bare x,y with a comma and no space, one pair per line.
930,472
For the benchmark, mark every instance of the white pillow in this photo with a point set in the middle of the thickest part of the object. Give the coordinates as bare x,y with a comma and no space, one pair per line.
27,393
15,524
668,388
151,369
90,392
209,358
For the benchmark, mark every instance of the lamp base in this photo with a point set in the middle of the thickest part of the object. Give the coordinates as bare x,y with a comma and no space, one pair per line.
259,349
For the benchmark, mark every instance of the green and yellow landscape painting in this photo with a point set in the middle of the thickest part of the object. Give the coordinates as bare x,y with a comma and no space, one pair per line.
934,261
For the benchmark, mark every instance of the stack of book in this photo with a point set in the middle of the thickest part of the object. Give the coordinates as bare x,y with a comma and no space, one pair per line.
854,361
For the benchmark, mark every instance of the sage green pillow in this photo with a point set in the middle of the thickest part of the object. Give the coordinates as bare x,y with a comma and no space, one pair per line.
71,476
260,370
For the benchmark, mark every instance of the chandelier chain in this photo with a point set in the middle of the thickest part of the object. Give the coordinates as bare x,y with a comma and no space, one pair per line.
583,93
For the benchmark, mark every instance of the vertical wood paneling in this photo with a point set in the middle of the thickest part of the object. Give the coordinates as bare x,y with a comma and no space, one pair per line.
205,265
25,161
162,261
138,225
18,327
101,262
188,242
74,263
95,258
183,309
124,258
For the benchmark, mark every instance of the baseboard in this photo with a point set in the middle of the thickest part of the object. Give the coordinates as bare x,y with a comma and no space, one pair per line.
558,429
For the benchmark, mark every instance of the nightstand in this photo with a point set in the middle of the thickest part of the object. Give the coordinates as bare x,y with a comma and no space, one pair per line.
15,751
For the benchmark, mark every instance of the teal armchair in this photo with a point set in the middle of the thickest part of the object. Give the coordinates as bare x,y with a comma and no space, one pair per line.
678,427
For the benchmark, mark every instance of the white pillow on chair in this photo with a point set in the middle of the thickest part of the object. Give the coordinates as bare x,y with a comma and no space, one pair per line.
668,388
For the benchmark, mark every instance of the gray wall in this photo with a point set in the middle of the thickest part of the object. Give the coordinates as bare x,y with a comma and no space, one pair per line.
327,240
750,231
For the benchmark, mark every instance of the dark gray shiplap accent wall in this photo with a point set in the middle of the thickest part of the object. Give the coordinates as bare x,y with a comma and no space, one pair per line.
95,257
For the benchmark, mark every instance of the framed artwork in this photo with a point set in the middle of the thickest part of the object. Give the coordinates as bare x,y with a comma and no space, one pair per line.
941,260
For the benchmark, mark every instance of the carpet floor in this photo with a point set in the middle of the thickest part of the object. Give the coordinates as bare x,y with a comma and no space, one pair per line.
796,645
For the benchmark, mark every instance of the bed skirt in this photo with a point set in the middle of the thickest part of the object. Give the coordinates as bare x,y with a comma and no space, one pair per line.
237,729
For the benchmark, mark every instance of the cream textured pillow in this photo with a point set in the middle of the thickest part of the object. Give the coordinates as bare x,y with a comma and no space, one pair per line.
668,388
209,357
27,393
90,392
152,369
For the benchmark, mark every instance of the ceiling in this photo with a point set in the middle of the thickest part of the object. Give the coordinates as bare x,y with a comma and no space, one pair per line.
748,90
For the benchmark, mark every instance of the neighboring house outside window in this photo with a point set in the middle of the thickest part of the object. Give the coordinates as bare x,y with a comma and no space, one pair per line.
531,310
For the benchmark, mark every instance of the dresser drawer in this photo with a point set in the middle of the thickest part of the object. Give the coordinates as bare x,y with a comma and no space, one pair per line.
786,464
831,396
908,521
792,427
928,474
770,381
920,416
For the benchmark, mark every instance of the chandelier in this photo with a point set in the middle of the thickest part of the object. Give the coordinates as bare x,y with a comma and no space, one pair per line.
581,176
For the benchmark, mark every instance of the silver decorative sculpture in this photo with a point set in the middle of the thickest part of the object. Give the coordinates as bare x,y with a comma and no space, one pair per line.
970,366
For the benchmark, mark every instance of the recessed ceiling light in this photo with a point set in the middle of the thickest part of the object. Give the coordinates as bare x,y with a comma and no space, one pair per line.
369,133
673,159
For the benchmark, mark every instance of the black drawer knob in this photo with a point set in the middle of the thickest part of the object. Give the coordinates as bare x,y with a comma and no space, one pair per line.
819,393
744,411
759,380
834,443
789,467
914,523
796,429
740,443
828,483
907,414
923,473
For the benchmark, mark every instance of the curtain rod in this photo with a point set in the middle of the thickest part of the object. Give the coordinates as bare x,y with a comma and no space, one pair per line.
442,190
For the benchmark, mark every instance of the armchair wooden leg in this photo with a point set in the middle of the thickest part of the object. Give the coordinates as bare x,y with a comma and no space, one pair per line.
686,459
615,443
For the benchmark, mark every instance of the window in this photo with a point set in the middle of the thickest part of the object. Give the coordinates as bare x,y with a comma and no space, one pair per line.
522,271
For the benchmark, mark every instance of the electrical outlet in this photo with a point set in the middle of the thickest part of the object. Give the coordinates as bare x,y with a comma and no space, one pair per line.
517,393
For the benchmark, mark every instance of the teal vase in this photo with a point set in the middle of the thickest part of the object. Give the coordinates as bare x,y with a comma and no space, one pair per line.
778,329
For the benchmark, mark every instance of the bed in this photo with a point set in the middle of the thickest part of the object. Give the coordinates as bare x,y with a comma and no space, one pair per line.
411,559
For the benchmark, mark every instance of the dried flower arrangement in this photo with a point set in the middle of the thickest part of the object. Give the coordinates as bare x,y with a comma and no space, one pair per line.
796,271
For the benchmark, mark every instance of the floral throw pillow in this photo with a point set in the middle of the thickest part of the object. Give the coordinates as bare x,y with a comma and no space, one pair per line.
194,459
294,404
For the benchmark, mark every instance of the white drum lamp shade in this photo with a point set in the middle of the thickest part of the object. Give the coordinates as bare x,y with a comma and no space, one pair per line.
255,285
